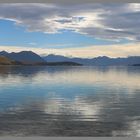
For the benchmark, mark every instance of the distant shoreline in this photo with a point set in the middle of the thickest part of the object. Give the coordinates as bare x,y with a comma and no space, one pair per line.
136,65
46,64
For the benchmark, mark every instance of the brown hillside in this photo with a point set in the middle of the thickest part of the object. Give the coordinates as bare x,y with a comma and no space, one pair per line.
5,61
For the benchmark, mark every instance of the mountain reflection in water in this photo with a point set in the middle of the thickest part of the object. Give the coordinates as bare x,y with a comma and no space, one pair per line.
69,101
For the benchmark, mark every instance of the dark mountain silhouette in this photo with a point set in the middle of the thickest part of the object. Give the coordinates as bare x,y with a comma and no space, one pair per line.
29,58
25,57
98,61
4,53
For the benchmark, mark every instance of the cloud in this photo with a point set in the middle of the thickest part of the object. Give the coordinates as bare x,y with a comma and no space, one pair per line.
88,51
33,43
104,21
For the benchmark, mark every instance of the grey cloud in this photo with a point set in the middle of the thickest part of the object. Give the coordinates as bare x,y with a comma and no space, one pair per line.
105,21
106,33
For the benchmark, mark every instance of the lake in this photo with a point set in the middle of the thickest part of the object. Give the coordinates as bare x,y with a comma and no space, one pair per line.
69,101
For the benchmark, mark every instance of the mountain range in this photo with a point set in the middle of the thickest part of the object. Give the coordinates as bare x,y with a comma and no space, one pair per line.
31,58
28,58
97,61
25,57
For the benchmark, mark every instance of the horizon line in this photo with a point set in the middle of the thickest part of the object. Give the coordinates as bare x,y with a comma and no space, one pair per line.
70,56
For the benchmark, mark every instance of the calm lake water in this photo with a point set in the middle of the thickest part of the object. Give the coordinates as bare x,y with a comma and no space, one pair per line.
69,101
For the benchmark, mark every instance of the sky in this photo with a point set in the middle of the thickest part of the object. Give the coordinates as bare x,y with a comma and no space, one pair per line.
71,29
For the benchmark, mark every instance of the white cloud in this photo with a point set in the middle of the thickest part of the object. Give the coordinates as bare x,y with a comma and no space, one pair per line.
134,7
105,21
33,43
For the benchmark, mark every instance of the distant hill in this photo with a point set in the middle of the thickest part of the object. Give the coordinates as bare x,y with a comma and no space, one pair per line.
56,58
25,57
98,61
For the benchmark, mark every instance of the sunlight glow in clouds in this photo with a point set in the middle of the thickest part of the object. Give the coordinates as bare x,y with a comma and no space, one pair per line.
104,21
112,22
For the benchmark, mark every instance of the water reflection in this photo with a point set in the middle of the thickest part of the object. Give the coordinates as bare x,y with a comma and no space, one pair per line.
69,101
